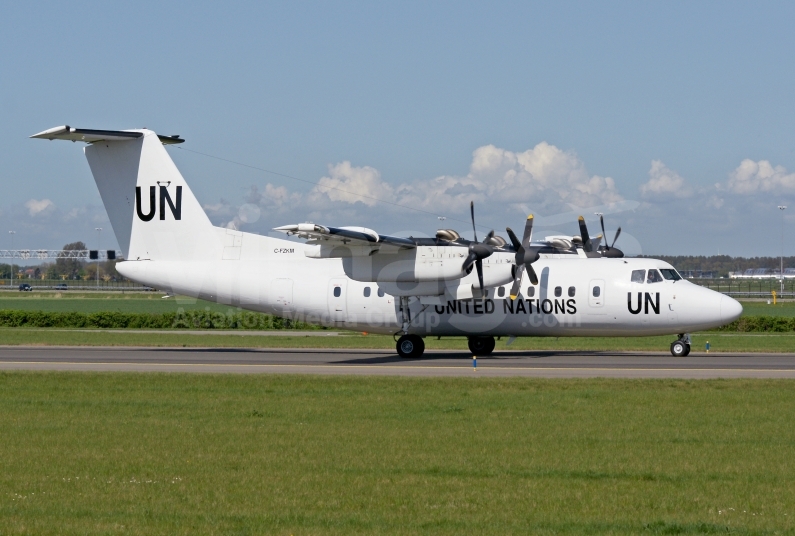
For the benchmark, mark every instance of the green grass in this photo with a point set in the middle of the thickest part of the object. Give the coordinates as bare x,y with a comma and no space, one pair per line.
719,342
759,308
102,453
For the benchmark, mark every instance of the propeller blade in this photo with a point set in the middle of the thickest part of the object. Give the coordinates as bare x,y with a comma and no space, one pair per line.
517,281
481,251
528,231
596,242
586,239
479,267
489,236
602,221
472,212
514,241
472,257
616,238
532,274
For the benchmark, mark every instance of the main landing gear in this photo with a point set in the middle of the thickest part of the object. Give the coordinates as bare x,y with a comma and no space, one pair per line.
481,346
410,346
681,346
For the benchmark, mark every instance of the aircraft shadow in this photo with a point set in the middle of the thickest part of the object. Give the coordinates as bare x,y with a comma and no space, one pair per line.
437,355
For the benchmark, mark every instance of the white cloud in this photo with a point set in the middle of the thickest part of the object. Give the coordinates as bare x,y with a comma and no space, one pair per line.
544,175
352,184
664,183
544,180
752,177
36,207
715,202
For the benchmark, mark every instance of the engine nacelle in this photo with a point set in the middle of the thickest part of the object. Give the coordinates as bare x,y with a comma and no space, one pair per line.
420,271
416,265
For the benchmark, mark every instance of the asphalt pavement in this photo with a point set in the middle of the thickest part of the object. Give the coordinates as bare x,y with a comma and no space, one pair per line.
544,364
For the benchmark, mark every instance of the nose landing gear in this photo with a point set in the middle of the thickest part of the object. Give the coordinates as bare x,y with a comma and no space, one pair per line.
681,347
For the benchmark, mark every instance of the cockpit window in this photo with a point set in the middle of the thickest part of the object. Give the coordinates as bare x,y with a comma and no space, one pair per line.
654,277
638,276
670,274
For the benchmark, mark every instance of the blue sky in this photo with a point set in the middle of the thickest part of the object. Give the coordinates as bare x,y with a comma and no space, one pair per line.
683,111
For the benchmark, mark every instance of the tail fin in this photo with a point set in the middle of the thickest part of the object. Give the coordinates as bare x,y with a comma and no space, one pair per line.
152,210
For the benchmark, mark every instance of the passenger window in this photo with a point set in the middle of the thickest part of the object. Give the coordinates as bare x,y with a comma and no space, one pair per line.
638,276
366,292
597,291
558,292
501,292
654,277
572,290
670,275
531,291
337,292
380,293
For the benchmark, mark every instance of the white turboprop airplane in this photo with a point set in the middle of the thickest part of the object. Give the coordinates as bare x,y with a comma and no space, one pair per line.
354,278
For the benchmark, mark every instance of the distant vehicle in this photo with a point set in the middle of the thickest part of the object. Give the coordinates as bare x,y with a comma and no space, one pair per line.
24,287
61,286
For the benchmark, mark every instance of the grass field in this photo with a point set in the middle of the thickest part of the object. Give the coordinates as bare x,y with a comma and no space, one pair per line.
758,308
719,342
151,302
93,453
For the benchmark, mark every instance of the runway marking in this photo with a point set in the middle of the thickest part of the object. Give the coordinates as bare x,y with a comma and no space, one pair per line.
391,367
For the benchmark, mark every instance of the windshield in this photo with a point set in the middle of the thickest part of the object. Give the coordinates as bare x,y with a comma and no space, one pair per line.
654,277
670,274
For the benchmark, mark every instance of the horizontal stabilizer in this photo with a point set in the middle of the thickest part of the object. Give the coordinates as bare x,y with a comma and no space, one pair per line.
92,136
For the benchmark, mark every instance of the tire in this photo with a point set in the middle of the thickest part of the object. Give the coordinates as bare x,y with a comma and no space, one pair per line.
481,346
687,351
679,349
410,346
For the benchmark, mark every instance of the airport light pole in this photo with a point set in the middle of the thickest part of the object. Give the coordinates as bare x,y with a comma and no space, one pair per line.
11,269
782,208
99,241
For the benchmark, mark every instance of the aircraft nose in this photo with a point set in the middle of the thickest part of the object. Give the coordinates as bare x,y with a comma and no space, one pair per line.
730,309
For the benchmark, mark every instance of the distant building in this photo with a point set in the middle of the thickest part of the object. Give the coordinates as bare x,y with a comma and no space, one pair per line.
699,274
763,273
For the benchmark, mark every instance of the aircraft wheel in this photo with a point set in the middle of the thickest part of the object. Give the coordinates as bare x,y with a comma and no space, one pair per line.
409,346
679,349
481,346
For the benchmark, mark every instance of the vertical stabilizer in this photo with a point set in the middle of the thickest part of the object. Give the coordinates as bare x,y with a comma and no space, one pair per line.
153,212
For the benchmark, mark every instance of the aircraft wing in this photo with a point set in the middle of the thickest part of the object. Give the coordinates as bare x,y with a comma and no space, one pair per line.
357,236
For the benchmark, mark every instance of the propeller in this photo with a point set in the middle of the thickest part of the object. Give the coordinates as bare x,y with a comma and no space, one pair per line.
525,256
610,251
477,250
587,245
